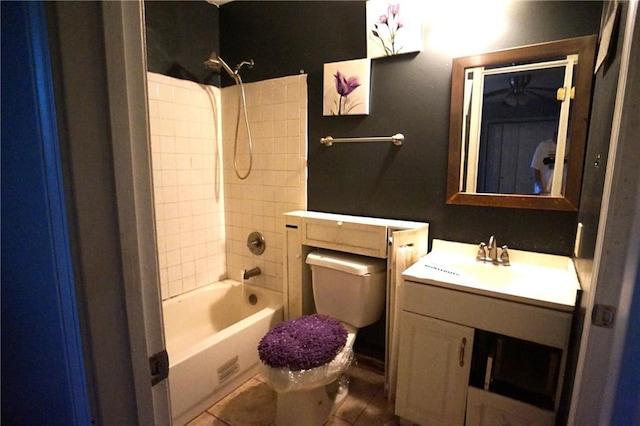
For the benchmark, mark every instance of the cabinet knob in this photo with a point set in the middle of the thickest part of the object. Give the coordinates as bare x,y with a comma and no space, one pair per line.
340,223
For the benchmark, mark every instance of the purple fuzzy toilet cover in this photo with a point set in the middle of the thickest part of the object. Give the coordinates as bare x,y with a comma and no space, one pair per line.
303,343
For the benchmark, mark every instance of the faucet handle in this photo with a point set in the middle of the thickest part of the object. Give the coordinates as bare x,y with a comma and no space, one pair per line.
504,255
482,251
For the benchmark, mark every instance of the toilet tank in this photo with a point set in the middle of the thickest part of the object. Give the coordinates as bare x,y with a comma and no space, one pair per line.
348,287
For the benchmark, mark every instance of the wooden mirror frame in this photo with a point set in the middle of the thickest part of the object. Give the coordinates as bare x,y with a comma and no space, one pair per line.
585,47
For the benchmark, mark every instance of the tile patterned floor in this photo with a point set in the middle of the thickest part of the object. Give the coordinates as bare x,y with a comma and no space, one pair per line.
254,403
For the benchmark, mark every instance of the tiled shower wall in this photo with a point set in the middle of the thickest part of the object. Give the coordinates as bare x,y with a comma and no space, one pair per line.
204,213
189,203
277,112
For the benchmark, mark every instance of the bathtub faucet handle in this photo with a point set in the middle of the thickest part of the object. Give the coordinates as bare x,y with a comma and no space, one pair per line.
256,243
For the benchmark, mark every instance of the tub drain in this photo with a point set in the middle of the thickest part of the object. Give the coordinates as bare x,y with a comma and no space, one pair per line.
253,299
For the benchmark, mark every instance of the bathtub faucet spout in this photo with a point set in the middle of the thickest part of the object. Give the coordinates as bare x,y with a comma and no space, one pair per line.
248,273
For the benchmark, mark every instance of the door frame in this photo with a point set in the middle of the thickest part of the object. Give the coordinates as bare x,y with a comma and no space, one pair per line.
124,29
616,258
99,73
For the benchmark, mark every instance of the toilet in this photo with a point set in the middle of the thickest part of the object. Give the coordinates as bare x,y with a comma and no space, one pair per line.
349,289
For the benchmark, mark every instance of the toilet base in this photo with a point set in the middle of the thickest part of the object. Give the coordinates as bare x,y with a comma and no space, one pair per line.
310,407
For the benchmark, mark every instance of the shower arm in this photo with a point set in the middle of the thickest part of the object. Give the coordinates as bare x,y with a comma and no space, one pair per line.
248,63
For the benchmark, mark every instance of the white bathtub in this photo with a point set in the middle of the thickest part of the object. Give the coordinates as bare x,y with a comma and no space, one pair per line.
212,336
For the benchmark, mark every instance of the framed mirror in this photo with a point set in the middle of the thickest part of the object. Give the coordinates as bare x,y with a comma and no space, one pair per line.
519,121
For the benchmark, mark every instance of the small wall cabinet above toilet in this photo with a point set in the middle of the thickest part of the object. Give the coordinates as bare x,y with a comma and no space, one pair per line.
368,239
375,237
386,239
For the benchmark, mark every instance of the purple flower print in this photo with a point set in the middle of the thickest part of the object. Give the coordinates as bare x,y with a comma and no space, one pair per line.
386,29
344,86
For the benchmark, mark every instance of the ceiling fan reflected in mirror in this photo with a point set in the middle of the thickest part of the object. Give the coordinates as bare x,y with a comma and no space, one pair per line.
519,92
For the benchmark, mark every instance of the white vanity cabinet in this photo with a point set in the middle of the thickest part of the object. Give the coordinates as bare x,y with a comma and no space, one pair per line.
470,355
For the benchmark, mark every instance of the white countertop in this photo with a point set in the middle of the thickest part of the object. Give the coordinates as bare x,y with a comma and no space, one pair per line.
537,279
392,223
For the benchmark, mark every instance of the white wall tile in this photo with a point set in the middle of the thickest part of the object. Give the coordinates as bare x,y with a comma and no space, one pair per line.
277,151
204,213
183,134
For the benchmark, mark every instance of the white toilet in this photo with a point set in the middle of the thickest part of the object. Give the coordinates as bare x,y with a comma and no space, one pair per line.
350,289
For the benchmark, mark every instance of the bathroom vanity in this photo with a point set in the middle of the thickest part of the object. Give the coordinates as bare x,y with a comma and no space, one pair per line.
398,242
484,344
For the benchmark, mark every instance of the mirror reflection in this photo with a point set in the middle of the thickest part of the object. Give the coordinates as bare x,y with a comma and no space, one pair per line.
519,113
518,129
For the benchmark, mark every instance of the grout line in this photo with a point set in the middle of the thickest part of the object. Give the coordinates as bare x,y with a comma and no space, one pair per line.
220,420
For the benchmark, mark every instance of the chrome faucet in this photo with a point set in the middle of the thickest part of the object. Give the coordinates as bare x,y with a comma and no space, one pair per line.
493,249
489,253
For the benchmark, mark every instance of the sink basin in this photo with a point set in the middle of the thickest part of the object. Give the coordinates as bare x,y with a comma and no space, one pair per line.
534,278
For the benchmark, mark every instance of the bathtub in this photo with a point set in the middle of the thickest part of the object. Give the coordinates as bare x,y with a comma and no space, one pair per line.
212,336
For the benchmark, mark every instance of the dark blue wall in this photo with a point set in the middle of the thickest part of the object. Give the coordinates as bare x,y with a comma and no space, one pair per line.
43,378
180,36
411,95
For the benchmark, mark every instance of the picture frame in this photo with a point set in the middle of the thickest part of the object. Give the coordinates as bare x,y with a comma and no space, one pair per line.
347,87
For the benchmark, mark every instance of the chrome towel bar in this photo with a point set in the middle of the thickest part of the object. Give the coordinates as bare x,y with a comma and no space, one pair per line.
397,139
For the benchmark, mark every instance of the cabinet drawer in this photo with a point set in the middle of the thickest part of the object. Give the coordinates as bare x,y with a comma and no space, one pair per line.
488,409
532,323
358,238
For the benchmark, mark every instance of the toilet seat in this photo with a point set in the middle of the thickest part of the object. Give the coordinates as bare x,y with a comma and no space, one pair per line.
284,379
303,343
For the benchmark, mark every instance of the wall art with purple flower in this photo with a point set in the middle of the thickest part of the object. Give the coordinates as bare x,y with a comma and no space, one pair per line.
393,28
347,87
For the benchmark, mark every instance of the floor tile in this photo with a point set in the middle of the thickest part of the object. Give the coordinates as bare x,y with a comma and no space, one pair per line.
379,411
206,419
337,421
252,404
364,384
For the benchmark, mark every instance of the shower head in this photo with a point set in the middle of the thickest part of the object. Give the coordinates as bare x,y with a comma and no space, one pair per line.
215,62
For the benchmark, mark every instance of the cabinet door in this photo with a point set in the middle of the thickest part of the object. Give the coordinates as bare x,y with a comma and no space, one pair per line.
433,370
407,245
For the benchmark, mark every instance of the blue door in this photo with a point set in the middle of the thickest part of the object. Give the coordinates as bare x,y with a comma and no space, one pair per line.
43,377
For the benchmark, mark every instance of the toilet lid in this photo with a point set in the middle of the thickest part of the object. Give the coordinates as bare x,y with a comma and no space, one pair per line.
303,343
346,262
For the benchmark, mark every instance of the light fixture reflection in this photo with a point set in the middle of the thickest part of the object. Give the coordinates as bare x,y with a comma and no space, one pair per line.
463,27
